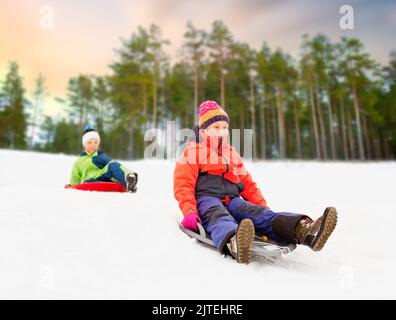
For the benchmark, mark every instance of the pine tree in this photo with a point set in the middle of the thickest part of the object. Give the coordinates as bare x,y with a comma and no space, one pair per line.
219,41
194,46
13,117
39,94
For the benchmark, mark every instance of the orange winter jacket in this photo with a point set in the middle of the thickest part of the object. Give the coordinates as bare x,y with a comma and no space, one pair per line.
210,167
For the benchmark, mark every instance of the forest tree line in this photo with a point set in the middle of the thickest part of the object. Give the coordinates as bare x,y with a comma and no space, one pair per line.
333,101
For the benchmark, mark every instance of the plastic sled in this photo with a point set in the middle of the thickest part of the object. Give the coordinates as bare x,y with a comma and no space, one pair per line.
266,249
99,186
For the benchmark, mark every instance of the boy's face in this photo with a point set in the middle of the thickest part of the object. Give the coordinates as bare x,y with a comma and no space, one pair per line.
218,129
92,145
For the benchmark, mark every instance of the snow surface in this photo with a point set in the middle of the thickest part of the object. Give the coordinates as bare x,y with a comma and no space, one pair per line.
64,244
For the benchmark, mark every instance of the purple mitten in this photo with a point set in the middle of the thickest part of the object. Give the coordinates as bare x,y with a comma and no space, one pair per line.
190,221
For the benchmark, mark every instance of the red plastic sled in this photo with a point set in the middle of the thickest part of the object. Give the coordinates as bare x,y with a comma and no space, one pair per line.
99,186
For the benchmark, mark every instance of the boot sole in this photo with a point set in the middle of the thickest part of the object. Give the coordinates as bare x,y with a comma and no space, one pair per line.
326,228
244,237
131,184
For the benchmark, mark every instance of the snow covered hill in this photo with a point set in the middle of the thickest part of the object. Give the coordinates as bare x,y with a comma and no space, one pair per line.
57,243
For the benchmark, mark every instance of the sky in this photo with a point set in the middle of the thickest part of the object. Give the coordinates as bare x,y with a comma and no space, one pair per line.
84,34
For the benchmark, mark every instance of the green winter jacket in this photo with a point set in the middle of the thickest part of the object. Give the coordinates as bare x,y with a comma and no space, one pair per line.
89,167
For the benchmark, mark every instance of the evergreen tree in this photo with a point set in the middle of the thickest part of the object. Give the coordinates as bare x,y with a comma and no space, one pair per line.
13,122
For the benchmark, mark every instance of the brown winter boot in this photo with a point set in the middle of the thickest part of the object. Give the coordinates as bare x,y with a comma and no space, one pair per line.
240,245
314,234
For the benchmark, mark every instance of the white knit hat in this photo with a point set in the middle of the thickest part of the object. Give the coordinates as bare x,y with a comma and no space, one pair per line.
90,135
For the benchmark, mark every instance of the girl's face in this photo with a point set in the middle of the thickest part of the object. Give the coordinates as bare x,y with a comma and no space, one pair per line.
218,129
92,145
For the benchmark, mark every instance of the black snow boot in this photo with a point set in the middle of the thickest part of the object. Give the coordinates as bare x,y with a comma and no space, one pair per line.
131,181
314,234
